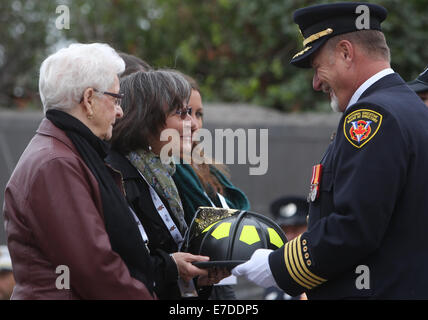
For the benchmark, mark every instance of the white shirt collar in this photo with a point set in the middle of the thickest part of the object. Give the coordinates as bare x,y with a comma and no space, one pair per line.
357,94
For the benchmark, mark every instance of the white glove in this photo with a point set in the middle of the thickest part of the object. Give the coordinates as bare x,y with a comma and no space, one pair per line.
257,269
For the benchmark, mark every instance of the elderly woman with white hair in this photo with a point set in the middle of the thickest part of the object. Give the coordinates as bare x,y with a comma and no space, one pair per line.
69,229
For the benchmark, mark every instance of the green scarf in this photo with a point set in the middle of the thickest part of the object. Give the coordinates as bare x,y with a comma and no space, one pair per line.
159,176
192,193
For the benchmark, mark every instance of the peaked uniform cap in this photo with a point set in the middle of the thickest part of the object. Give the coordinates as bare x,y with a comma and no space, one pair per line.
420,84
319,23
290,211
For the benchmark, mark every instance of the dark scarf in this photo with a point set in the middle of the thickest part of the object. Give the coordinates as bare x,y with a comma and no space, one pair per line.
120,225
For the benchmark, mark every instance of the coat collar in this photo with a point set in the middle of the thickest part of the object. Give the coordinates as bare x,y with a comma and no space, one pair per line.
368,83
47,128
390,80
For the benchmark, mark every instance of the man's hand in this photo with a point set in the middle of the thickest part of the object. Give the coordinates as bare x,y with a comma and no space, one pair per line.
186,269
257,269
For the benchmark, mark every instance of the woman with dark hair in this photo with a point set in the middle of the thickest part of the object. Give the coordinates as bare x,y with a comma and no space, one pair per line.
133,64
154,101
206,185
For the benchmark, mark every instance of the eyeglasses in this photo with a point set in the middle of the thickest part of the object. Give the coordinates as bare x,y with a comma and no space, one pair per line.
118,96
184,112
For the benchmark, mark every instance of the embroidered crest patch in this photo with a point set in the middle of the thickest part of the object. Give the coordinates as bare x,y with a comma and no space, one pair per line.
361,126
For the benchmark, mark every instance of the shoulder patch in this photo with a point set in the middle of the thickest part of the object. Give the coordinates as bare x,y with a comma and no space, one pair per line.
360,126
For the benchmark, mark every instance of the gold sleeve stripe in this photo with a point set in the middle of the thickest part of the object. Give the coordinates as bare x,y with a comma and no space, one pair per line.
299,267
296,267
287,254
302,263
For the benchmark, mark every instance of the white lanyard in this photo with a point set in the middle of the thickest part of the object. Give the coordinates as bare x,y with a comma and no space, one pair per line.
164,214
141,229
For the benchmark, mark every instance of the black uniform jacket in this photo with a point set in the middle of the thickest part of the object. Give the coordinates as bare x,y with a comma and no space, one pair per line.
368,226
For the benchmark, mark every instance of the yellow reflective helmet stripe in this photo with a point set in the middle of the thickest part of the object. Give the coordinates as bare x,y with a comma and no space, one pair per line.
209,227
222,230
249,235
274,238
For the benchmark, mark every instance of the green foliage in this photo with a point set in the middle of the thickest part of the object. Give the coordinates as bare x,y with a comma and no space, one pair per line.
23,43
239,51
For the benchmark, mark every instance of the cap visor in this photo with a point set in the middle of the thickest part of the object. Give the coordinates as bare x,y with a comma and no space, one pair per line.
295,221
304,60
417,86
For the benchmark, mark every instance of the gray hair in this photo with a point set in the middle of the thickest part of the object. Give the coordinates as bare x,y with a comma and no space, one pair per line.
66,74
373,43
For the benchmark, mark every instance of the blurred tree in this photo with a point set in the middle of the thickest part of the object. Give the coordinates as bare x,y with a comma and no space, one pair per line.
23,42
239,51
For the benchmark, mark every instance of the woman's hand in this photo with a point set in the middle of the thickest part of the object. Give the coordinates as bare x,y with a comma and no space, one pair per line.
215,275
186,269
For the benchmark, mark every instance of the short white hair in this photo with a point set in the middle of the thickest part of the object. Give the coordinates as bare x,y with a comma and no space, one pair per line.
66,74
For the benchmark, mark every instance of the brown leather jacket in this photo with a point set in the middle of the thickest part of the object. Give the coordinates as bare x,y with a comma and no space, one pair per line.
53,217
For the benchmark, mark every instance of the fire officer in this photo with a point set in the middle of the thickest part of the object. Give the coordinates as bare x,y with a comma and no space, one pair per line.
368,217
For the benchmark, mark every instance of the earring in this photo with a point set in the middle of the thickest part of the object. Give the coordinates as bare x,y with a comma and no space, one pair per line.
90,116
